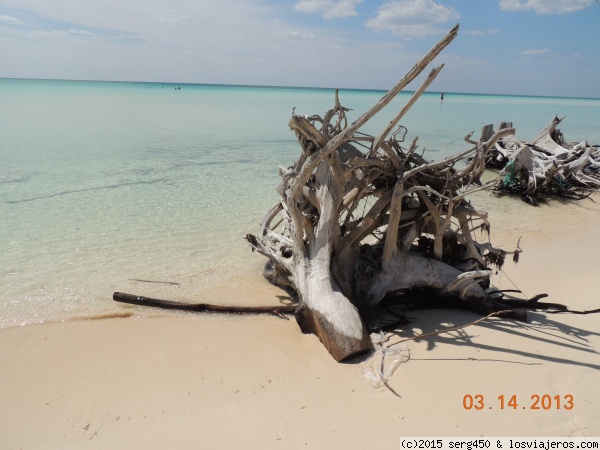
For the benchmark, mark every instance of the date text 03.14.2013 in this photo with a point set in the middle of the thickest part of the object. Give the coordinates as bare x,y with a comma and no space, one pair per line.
544,402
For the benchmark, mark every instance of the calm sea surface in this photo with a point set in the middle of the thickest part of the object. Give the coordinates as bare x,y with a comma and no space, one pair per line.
106,184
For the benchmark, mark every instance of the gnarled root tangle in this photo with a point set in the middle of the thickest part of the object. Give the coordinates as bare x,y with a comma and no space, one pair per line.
365,221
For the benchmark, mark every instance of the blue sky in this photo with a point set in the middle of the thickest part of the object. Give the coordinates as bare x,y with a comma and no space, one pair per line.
524,47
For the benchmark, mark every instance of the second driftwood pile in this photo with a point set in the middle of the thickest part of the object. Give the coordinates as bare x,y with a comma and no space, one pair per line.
545,167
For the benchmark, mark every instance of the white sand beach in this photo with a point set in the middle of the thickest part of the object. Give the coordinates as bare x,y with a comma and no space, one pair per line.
214,381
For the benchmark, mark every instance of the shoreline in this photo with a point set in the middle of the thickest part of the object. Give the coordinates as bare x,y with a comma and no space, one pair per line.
153,382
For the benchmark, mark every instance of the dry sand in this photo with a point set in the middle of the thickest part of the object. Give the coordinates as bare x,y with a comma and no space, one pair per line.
208,381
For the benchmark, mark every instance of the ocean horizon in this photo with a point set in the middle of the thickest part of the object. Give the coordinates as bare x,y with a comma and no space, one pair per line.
374,90
144,188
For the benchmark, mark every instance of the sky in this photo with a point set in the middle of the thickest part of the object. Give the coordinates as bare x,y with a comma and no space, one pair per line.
521,47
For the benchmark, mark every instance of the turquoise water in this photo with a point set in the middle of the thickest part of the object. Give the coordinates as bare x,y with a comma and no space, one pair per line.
105,183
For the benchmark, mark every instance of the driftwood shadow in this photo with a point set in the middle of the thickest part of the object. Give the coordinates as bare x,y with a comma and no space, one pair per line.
571,340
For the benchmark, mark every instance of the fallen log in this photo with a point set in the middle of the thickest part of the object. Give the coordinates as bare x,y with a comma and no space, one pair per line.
203,307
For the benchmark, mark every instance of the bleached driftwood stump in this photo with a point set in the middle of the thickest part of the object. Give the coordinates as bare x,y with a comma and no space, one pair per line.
363,219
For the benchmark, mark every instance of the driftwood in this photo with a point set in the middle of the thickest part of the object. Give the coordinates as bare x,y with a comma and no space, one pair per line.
547,166
364,223
203,307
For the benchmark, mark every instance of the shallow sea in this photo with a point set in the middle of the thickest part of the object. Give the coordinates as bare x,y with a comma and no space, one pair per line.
105,184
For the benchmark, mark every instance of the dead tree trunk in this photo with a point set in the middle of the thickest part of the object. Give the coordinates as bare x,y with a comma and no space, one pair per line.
363,219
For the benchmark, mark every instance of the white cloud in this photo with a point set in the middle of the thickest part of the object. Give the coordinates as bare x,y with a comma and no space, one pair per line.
330,9
171,17
50,34
546,6
481,32
61,33
295,34
10,20
534,51
81,32
412,18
